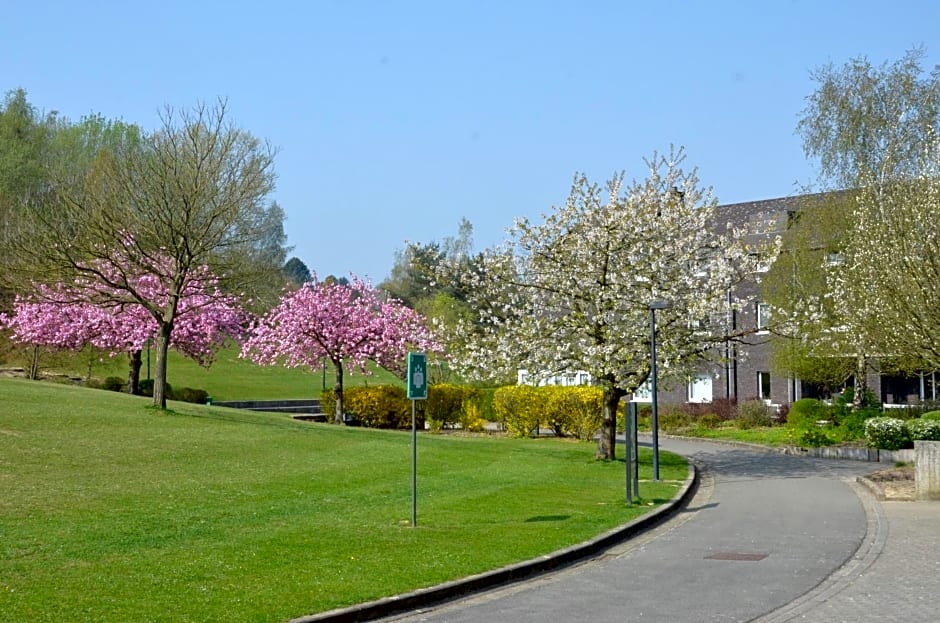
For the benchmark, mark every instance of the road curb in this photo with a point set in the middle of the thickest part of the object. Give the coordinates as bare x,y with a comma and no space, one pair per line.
525,570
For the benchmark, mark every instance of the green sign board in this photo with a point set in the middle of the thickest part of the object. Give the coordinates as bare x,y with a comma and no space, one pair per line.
417,376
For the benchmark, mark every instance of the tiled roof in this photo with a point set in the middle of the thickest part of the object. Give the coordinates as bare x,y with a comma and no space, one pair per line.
767,215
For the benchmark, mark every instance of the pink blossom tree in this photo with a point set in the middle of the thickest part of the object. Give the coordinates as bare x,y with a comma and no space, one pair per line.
88,312
348,324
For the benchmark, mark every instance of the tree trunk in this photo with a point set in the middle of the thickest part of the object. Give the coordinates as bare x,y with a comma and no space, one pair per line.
607,442
133,372
861,381
34,364
338,392
159,374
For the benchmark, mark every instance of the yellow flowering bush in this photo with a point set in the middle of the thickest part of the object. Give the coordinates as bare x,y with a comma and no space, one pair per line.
574,411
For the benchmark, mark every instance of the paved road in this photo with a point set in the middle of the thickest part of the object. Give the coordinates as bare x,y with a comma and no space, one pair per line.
767,537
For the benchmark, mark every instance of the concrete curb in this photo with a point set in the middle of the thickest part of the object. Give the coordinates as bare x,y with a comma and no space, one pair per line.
876,491
876,537
513,573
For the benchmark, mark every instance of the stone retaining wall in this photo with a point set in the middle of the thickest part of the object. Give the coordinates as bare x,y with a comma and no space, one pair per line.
927,470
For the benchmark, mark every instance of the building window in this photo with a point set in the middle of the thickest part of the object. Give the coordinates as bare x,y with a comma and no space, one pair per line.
700,388
835,259
762,312
763,385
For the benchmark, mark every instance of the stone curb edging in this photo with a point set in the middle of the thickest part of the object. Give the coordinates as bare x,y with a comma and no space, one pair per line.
876,491
513,573
869,550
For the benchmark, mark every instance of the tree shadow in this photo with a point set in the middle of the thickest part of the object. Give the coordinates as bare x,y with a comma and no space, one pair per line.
548,518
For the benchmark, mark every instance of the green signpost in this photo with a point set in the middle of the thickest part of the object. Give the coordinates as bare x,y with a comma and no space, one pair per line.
417,390
417,376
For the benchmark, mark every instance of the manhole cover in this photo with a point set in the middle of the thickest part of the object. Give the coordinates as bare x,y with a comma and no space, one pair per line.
735,556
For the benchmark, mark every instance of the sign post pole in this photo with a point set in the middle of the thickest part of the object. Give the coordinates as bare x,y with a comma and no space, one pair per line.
417,390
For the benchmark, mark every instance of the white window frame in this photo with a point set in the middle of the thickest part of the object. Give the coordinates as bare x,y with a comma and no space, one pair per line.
762,314
763,392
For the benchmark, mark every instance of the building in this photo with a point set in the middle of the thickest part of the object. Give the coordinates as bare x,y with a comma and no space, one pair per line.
745,370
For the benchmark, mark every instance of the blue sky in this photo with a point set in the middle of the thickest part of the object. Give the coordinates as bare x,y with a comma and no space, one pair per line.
394,120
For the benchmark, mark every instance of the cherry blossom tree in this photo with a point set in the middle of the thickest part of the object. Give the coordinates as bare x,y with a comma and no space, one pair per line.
87,312
189,194
574,291
347,324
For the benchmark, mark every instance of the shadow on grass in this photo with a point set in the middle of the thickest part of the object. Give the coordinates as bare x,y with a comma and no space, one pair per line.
548,518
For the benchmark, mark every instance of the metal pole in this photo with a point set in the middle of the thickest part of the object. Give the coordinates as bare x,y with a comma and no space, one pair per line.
655,422
628,451
632,455
636,451
414,467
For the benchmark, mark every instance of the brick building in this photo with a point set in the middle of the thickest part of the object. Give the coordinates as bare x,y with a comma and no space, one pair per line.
745,371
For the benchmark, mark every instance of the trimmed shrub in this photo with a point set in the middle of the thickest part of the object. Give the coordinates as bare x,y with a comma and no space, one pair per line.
931,415
379,406
568,411
516,408
328,404
576,411
114,384
145,388
754,413
586,406
923,430
887,433
804,414
195,396
444,405
471,416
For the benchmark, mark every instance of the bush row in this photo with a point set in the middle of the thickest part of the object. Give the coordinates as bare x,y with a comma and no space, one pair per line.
145,388
387,406
888,433
568,411
678,418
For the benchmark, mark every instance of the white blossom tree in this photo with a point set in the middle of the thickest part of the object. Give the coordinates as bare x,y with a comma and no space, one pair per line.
573,292
871,130
892,265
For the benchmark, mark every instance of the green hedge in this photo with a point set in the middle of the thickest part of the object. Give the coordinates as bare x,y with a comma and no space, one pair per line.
804,414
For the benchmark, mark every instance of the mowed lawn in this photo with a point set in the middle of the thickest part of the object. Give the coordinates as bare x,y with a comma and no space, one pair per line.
228,378
112,511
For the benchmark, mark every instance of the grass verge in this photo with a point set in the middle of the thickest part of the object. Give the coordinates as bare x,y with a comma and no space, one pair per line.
773,436
113,511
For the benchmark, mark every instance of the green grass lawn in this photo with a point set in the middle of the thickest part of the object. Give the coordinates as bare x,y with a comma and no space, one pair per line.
111,510
228,378
764,435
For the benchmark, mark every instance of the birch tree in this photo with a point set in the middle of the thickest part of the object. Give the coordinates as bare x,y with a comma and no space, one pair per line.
869,128
573,292
892,265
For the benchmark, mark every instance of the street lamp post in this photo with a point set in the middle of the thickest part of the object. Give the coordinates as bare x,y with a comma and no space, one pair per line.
658,304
